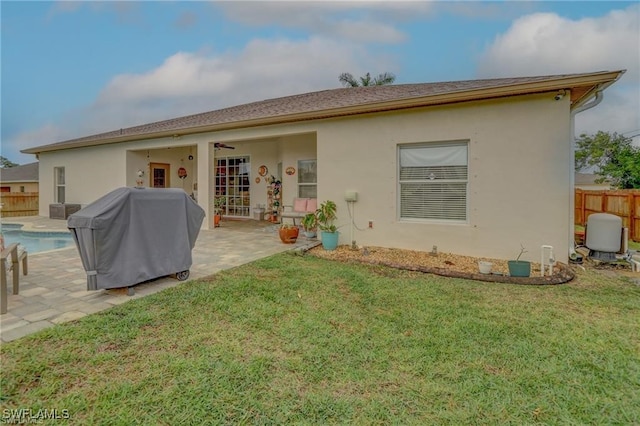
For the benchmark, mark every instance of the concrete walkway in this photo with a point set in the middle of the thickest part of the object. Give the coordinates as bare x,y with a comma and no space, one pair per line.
55,290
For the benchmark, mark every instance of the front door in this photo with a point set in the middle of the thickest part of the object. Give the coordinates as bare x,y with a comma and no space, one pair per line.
159,175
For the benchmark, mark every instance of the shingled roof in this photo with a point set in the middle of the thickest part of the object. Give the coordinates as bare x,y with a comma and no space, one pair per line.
23,173
346,101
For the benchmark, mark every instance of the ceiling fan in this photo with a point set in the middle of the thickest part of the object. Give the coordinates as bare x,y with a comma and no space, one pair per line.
219,145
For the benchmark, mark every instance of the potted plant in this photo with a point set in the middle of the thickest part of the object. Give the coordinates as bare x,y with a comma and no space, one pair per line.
219,202
484,266
289,233
325,215
519,268
309,225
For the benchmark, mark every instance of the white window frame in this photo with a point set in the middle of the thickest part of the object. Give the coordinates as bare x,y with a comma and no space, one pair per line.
446,180
301,166
59,184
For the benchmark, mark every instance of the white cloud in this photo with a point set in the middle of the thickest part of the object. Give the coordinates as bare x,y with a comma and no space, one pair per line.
545,43
45,134
618,112
361,21
193,82
124,11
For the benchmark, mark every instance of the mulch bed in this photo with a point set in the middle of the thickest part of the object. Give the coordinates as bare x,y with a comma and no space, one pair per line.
444,264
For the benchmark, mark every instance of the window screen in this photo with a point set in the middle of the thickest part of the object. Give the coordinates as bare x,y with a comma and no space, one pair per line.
59,183
307,178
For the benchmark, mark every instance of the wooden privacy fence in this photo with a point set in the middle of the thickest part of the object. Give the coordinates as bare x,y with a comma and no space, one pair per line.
624,203
19,204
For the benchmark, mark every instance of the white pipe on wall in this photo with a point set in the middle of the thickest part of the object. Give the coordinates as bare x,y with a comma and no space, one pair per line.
550,258
572,166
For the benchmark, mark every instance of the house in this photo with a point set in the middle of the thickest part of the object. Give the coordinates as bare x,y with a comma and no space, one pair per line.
22,178
473,167
587,181
19,190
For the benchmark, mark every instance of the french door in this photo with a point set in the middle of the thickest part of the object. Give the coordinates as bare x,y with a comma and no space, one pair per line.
232,180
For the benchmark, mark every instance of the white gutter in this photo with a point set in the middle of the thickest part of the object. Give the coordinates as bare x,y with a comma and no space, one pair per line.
572,198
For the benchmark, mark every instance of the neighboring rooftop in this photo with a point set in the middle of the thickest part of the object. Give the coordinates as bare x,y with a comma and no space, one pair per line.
589,179
23,173
348,101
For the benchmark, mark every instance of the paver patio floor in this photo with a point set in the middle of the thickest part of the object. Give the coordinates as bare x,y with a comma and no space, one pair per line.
55,289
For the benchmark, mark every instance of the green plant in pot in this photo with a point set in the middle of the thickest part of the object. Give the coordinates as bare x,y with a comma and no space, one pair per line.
519,268
325,216
309,225
219,202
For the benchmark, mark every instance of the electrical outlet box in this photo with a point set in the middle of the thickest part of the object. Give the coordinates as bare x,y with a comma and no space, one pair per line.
351,196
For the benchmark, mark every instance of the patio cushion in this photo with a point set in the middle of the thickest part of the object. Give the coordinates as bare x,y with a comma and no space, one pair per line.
312,205
300,205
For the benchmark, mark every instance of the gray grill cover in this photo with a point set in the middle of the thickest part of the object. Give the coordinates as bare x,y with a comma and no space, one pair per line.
132,235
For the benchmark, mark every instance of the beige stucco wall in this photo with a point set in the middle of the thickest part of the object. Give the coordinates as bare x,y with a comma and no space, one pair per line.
94,171
89,174
519,172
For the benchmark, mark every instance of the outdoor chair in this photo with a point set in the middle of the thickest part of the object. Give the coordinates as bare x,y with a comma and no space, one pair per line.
10,261
300,208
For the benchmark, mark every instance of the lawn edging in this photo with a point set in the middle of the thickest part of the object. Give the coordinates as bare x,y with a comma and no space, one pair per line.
563,275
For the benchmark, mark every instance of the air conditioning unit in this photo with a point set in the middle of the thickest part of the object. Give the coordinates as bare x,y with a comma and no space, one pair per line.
62,211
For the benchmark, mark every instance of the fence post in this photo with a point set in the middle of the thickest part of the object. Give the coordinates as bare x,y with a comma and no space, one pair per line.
632,214
583,208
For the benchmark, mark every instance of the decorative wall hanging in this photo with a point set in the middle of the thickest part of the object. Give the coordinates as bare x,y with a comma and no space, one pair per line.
258,179
182,173
290,171
263,170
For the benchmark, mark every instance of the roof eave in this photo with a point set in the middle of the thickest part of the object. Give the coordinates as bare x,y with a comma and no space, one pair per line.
595,82
597,86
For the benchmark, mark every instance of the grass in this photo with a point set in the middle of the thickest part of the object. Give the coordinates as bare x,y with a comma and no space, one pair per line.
302,340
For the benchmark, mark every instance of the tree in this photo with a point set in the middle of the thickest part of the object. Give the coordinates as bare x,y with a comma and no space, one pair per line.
383,79
6,163
613,157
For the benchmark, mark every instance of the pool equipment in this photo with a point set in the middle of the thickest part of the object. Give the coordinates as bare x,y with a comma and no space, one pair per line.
604,236
607,240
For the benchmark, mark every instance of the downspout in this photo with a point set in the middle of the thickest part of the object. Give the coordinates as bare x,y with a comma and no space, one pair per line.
572,198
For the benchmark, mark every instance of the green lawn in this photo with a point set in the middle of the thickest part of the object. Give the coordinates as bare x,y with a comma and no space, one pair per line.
301,340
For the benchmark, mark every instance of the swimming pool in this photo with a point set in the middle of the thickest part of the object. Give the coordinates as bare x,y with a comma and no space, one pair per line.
36,241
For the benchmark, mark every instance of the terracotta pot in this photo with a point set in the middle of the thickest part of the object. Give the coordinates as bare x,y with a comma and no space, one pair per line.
216,220
289,235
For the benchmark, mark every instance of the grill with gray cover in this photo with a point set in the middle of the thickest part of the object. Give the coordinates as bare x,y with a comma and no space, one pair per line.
132,235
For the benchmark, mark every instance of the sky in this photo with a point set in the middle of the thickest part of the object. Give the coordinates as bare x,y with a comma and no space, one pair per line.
73,69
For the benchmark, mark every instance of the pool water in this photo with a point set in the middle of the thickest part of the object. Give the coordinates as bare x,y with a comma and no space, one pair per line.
36,242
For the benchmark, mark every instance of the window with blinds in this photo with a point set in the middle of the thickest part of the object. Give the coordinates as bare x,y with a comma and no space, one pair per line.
433,181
